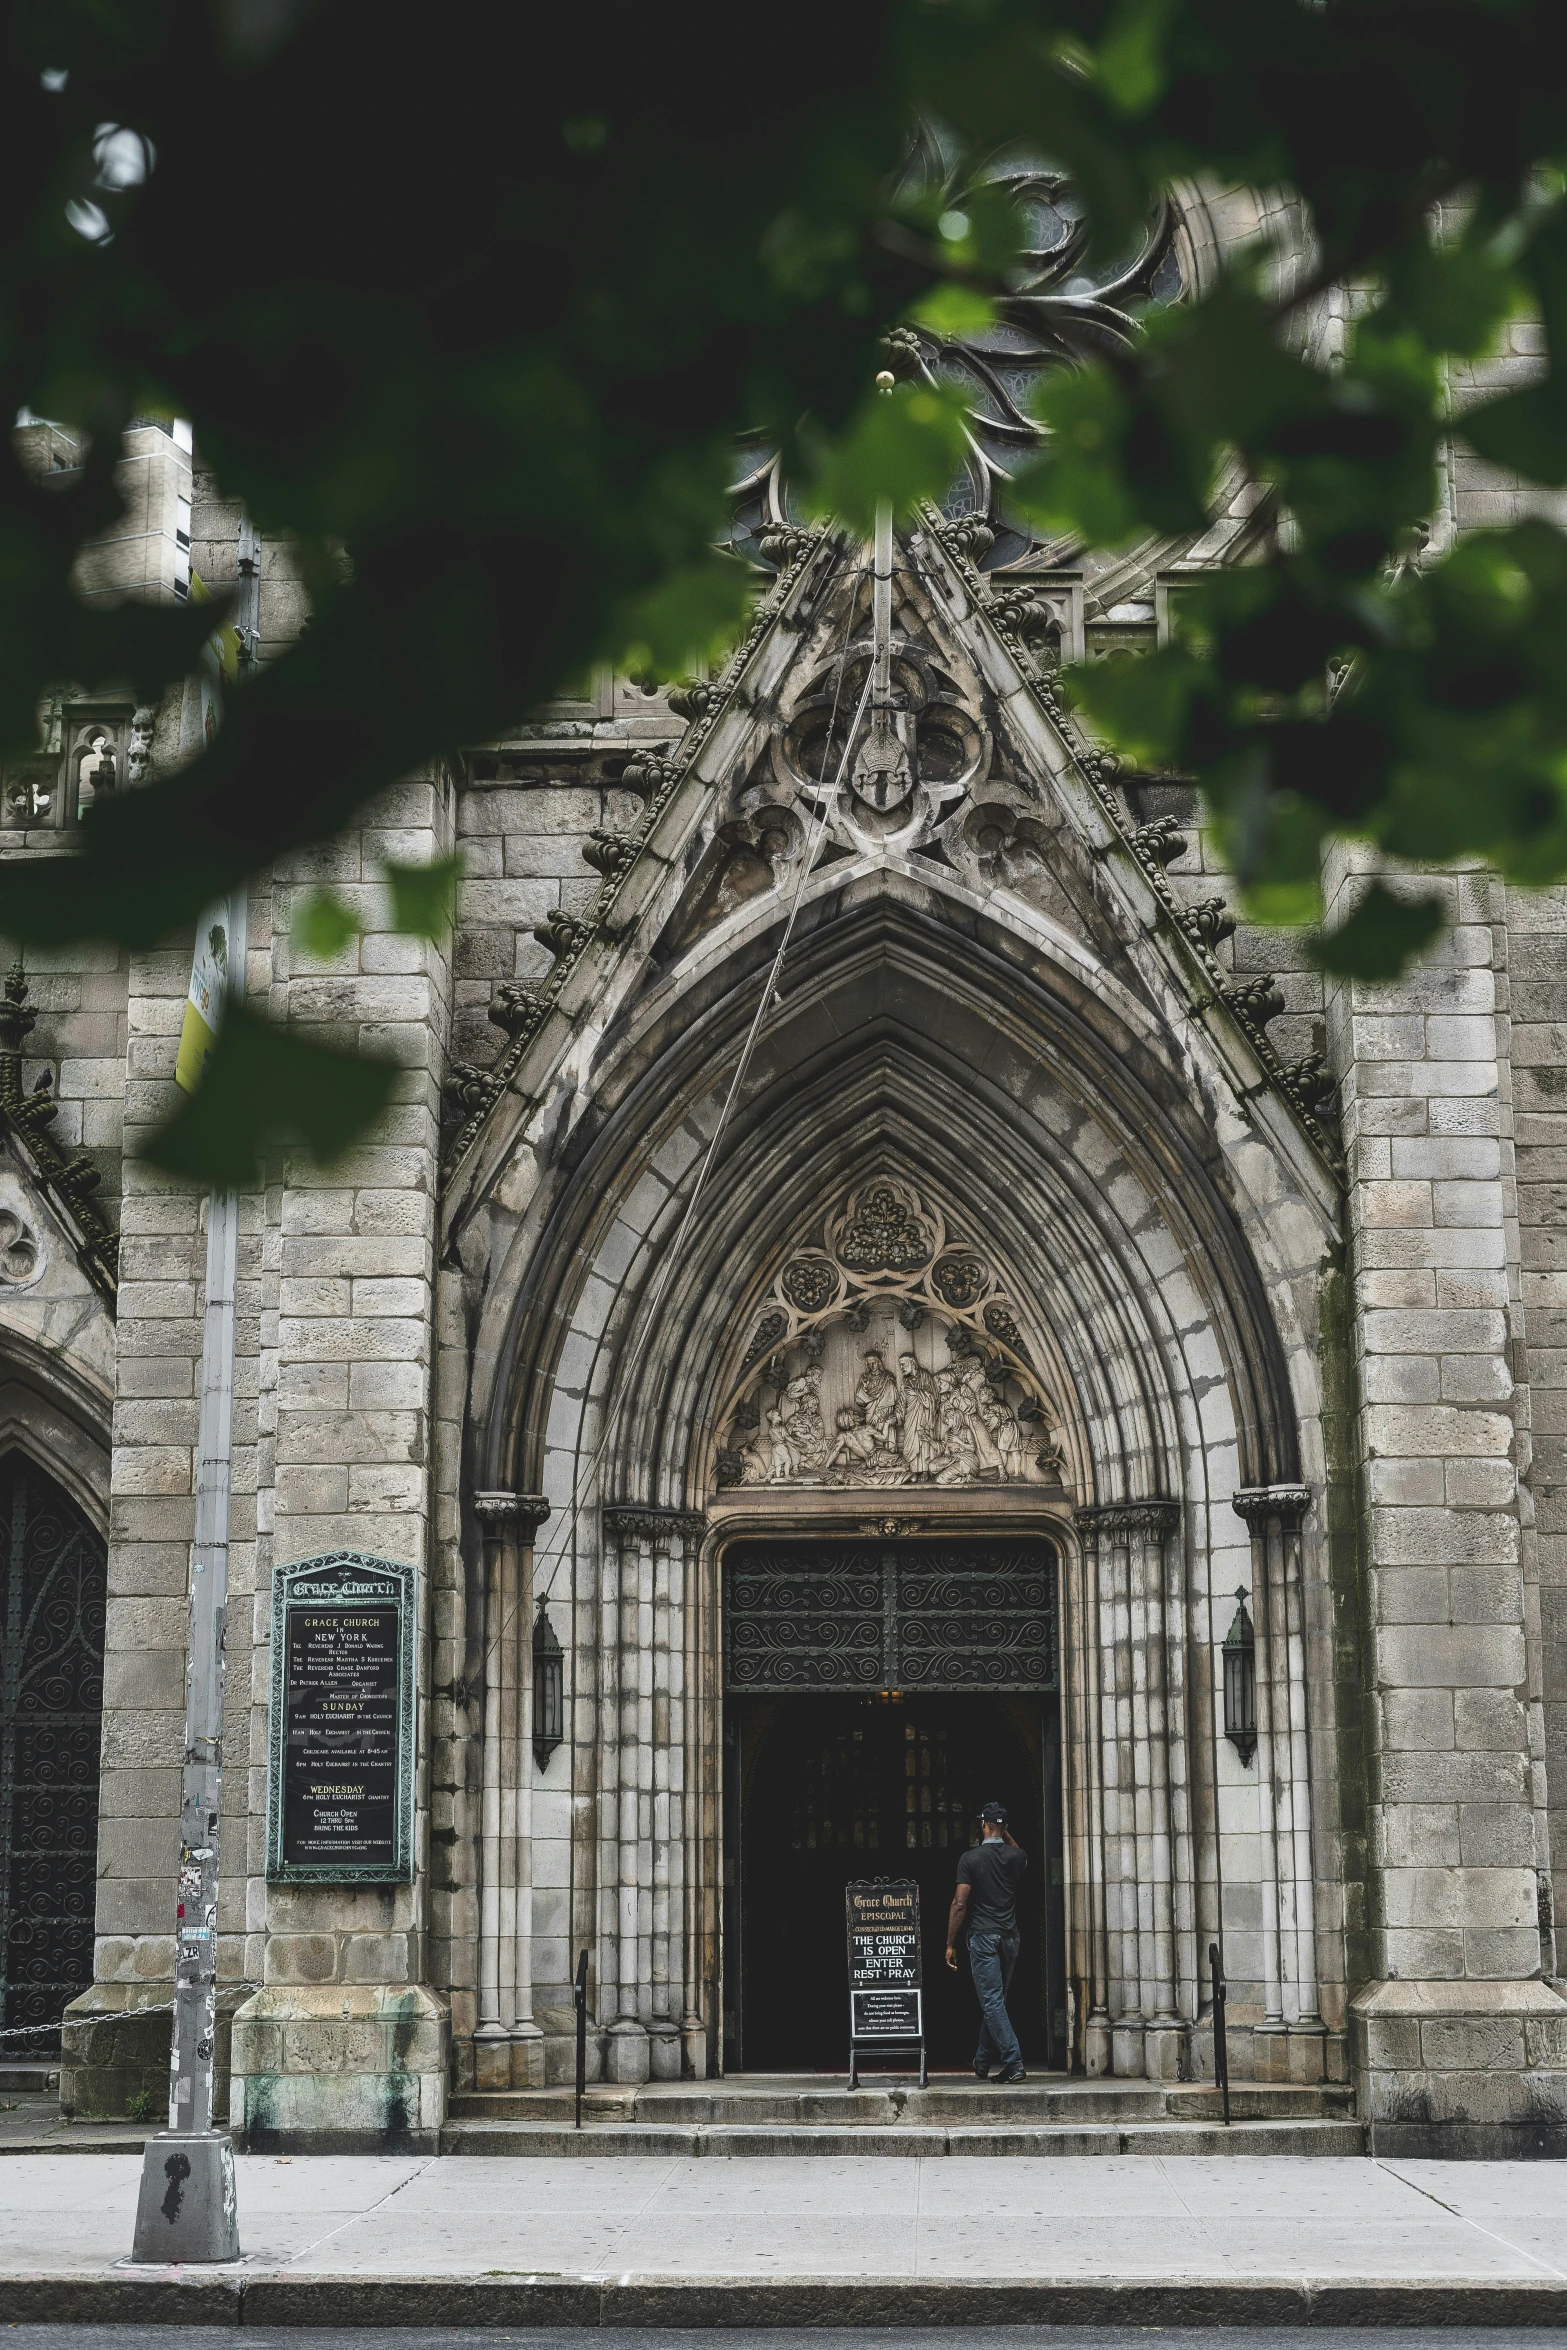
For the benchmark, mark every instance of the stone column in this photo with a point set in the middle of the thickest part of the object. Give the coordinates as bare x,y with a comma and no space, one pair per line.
642,1825
508,2044
1289,2042
1147,2033
1459,2044
699,1808
1083,1649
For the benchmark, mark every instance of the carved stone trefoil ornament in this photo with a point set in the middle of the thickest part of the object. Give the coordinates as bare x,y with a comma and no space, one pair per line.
887,1354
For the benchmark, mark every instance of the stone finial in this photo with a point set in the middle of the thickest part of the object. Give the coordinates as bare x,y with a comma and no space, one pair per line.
561,933
1162,841
17,1016
1209,922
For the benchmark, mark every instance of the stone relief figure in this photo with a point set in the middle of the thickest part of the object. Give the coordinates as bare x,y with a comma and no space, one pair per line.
926,1423
887,1352
921,1404
797,1426
876,1398
960,1462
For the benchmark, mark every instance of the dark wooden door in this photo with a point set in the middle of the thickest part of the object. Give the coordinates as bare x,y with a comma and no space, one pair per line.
52,1590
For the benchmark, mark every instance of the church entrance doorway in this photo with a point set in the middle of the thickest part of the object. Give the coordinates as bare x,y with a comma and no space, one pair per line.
876,1695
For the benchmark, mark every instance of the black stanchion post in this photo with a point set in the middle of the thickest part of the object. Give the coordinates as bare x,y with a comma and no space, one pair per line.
1221,2048
579,1992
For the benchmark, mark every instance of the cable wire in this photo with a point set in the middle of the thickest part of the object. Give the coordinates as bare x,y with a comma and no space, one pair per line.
583,1482
673,1259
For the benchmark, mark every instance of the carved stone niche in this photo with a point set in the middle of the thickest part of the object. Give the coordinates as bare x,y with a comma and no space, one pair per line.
105,744
888,1354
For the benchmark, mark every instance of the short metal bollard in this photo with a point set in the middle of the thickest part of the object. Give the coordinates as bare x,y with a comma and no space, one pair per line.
579,1993
1221,2047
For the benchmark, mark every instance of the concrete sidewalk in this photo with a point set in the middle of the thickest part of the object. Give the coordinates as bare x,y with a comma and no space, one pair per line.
772,2241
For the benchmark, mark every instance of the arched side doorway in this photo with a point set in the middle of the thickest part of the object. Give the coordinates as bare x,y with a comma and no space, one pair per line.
53,1569
876,1692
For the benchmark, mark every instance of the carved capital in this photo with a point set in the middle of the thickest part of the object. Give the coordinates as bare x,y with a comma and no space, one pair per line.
1156,1516
644,1522
1262,1505
526,1510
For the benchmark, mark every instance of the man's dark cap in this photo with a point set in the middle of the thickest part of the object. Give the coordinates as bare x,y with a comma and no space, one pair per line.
996,1813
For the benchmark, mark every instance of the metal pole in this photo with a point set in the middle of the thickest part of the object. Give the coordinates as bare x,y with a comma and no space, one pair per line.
881,616
1221,2046
579,1992
187,2208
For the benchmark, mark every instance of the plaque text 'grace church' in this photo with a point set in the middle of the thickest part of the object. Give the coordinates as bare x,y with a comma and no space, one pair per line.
341,1750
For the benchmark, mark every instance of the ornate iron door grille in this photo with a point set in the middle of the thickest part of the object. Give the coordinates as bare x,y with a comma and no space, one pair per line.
52,1593
901,1615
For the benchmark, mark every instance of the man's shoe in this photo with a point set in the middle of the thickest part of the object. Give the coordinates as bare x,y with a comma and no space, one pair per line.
1006,2080
982,2072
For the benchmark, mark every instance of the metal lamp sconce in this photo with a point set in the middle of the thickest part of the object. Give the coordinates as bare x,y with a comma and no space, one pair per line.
1240,1682
549,1690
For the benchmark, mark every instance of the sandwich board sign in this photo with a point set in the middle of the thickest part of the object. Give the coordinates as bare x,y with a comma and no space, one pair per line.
886,1995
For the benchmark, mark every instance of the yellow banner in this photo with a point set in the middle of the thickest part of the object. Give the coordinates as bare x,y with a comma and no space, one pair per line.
204,1002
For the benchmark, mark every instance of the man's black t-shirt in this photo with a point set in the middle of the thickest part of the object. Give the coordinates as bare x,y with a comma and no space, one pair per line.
992,1871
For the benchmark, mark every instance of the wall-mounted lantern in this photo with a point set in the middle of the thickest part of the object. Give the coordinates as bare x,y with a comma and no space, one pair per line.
1240,1683
549,1690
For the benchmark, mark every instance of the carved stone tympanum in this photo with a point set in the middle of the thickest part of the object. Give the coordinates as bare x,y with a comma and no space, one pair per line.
889,1355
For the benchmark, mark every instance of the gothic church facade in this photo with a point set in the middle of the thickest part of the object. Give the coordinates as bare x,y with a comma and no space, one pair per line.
1087,1357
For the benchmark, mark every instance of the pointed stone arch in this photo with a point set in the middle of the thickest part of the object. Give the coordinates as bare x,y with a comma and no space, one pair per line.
1124,1223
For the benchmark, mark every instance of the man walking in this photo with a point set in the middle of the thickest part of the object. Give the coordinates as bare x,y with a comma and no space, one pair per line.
986,1900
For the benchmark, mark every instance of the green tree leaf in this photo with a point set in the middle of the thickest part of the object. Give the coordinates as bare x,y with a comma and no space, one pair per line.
901,447
266,1087
424,897
1524,431
1381,936
323,925
1129,63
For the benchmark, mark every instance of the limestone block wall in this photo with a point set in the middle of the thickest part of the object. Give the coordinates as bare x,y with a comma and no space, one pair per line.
1457,1820
78,1048
1537,954
524,815
148,549
151,1519
344,2045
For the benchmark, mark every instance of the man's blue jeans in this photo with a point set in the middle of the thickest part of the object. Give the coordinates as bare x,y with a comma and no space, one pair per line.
991,1958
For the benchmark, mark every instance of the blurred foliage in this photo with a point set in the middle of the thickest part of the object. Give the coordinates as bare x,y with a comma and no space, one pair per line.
266,1086
484,307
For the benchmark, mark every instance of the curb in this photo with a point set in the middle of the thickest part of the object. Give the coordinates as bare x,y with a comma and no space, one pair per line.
184,2297
471,2140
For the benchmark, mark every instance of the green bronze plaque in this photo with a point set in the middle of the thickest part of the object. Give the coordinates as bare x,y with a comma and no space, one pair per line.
340,1750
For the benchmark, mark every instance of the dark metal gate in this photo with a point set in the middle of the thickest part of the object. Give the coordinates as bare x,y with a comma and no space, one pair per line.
52,1593
890,1615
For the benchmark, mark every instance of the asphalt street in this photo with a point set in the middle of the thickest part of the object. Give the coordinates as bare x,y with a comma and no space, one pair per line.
806,2337
135,2337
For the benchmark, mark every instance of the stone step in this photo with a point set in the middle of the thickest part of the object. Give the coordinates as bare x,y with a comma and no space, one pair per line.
30,2080
942,2106
719,2139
